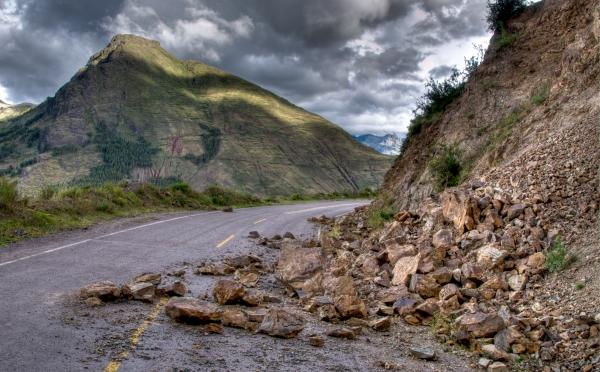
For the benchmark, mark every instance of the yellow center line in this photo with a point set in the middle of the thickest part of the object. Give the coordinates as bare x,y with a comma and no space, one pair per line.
220,245
115,363
259,221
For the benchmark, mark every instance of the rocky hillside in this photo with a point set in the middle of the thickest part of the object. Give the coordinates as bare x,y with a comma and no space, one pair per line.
507,262
136,112
528,116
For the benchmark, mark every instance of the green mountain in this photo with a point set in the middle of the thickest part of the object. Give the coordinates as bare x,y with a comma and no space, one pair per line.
8,112
136,112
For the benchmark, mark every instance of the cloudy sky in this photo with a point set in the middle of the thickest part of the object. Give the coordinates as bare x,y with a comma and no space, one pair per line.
359,63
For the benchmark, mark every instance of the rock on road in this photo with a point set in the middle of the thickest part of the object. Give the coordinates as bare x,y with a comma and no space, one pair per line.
35,276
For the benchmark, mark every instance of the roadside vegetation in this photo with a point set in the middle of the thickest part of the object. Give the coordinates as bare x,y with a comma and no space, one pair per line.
558,257
377,216
56,209
65,208
446,167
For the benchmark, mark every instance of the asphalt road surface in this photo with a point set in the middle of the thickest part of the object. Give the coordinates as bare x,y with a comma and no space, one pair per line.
38,275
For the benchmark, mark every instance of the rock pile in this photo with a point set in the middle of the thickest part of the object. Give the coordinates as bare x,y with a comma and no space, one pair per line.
466,263
146,287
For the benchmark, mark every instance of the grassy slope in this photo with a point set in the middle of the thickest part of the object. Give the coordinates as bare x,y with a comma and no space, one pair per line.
234,133
80,207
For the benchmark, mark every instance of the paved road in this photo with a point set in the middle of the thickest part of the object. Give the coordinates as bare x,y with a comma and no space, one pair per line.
36,276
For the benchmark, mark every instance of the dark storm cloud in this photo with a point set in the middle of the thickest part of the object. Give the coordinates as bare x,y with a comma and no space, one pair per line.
79,16
360,63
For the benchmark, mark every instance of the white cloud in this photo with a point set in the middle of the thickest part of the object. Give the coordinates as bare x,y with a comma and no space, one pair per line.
201,33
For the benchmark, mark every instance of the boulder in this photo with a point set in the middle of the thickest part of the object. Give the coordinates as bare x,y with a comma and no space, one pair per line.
536,261
478,325
253,235
345,297
228,292
139,291
104,290
490,256
420,352
289,235
248,278
216,269
443,239
300,268
243,260
424,285
192,310
177,288
395,252
281,323
370,267
494,353
516,281
515,211
381,324
235,318
405,305
460,209
448,291
404,268
350,306
342,332
153,278
442,275
252,298
472,271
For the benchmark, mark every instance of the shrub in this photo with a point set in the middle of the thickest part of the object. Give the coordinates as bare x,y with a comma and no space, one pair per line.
501,11
335,232
439,95
446,167
541,94
8,193
558,257
506,39
378,216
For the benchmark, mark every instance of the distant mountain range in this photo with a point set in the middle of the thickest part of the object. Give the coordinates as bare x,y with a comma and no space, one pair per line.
388,144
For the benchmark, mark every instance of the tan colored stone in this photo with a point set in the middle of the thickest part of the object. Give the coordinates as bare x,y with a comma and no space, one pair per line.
104,290
192,310
404,268
281,323
228,292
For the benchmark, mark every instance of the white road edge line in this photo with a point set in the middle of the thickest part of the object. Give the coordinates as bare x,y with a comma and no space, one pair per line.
99,237
259,221
324,207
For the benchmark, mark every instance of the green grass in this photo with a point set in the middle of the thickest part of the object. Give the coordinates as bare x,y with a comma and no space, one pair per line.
81,206
335,232
579,286
446,167
506,39
541,94
377,216
558,258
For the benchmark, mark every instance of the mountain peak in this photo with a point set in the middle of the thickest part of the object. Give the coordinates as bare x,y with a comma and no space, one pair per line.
127,44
